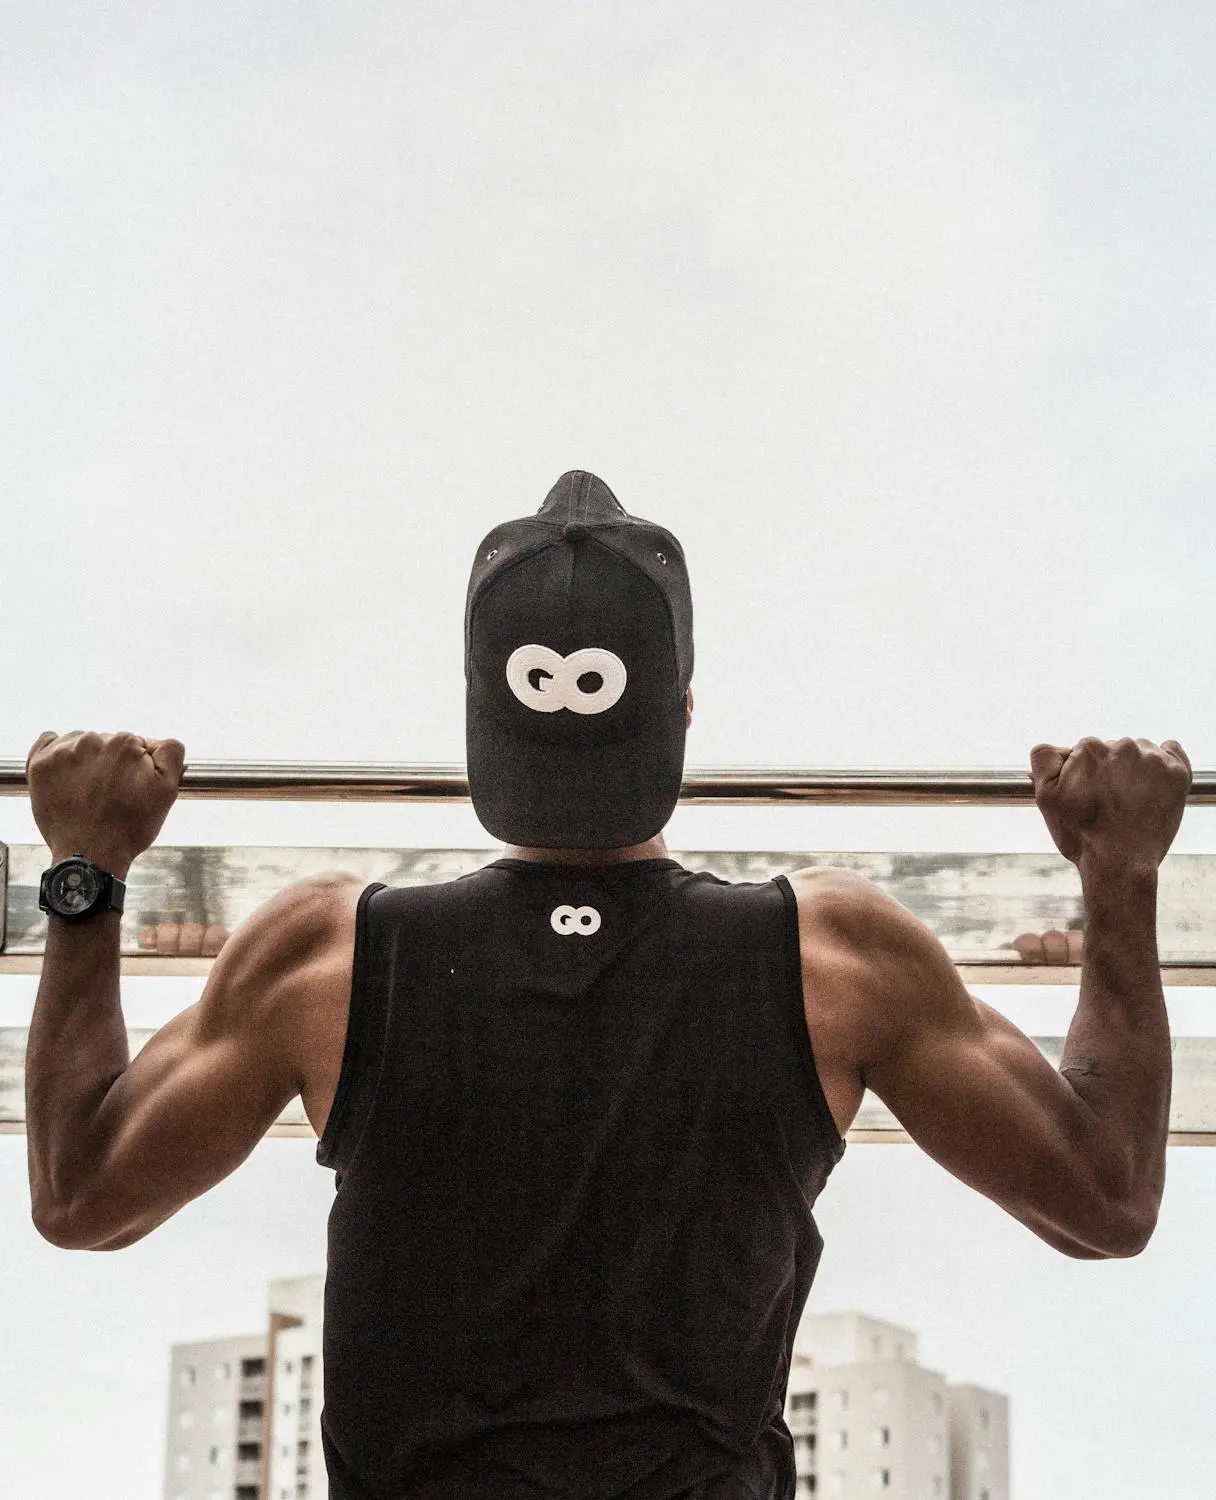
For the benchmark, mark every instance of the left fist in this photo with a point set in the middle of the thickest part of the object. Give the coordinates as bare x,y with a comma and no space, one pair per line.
105,796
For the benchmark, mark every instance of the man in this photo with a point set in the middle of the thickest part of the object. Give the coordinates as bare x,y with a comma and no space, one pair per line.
571,1101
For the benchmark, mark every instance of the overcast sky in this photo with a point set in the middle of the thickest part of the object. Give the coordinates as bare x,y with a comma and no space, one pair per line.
899,315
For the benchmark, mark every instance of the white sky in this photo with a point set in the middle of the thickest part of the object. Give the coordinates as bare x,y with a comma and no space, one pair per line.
898,315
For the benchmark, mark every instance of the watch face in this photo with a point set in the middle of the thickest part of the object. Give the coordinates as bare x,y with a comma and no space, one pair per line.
73,890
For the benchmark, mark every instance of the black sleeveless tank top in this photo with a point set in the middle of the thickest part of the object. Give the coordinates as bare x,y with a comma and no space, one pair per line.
577,1138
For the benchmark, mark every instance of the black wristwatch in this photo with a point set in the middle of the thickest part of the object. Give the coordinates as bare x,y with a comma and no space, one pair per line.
76,888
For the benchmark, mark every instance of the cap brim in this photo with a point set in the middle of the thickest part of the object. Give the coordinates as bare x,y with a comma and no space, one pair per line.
548,796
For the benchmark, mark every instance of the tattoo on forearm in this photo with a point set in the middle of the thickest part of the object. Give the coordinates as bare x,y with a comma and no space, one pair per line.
1084,1067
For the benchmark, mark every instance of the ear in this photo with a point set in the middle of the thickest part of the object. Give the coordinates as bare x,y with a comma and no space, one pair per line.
688,711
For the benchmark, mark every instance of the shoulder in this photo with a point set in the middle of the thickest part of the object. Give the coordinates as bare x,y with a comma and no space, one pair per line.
853,911
842,905
867,959
301,933
303,918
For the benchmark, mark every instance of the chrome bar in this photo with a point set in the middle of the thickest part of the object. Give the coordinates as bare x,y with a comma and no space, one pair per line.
1192,1098
321,781
1013,914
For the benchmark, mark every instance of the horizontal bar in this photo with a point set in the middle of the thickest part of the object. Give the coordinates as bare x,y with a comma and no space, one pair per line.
1192,1103
319,781
1008,912
155,966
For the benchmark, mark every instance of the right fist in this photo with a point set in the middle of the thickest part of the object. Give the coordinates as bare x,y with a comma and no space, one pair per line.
1117,800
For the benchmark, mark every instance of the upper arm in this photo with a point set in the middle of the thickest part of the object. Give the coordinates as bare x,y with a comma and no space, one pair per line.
195,1101
966,1084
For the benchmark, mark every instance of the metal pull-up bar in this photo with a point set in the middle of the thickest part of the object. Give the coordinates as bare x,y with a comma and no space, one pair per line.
320,781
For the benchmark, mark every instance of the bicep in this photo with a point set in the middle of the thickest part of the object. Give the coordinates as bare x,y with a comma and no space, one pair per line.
981,1099
188,1110
976,1094
194,1102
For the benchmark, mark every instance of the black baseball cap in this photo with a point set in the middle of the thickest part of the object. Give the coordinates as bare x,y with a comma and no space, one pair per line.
578,656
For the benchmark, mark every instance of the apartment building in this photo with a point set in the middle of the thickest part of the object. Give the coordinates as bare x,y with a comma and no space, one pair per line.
869,1420
244,1413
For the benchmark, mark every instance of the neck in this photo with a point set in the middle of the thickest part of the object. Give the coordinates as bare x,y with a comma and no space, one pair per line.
655,848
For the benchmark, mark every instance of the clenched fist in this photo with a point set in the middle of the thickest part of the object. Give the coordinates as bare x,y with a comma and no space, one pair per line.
1117,801
105,796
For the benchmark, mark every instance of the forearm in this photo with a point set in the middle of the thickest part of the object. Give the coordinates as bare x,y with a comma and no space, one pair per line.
77,1048
1117,1053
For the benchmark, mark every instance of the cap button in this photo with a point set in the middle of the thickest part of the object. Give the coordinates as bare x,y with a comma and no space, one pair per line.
573,531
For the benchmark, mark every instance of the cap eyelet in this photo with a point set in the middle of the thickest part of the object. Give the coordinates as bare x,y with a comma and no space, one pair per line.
661,558
490,556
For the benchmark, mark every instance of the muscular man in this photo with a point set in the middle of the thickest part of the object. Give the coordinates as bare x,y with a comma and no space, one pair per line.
580,1104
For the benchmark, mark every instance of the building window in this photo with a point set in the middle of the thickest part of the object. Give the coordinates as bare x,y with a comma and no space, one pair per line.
183,1463
251,1367
216,1457
186,1419
880,1437
881,1395
220,1415
804,1401
983,1495
840,1400
836,1482
937,1400
935,1443
223,1371
937,1484
875,1345
186,1377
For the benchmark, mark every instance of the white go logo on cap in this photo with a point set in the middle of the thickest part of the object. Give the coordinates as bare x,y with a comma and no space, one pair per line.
557,684
584,920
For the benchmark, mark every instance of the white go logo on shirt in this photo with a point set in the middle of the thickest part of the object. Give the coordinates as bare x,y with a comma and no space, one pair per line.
556,684
584,920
